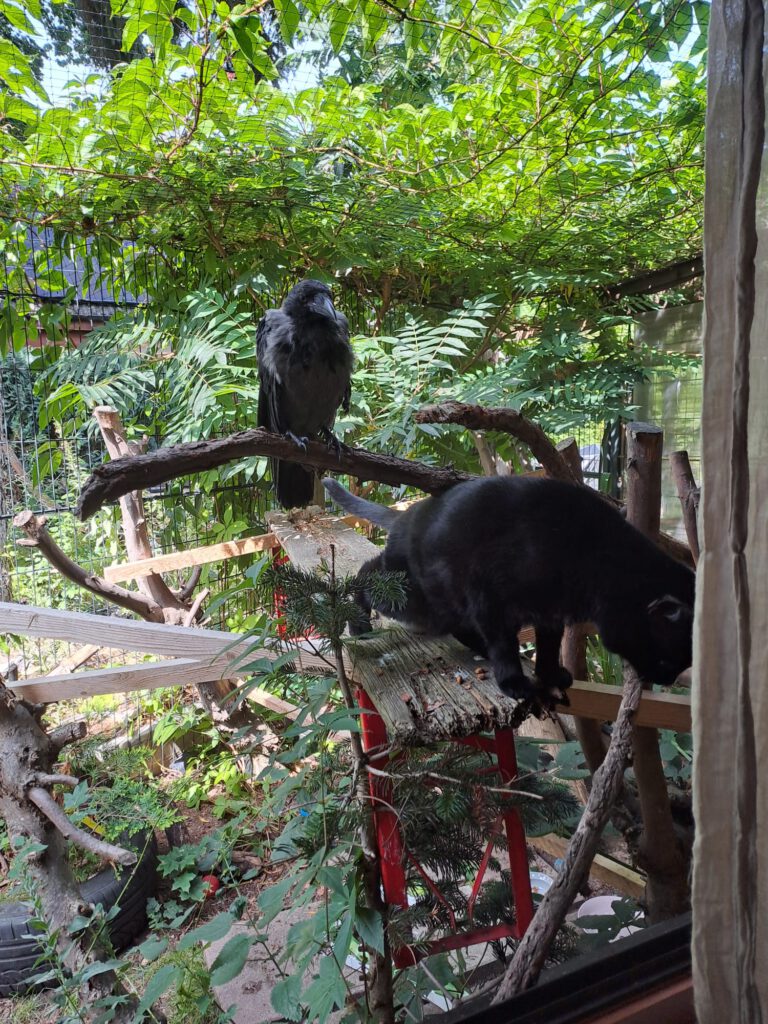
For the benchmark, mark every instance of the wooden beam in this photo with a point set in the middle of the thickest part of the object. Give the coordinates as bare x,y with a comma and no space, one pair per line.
133,635
189,558
123,679
604,869
659,710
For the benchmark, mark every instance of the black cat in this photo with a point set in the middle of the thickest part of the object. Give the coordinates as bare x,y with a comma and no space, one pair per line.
492,555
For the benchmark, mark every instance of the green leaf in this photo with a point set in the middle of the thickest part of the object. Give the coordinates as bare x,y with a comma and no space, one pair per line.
152,948
231,959
158,985
288,15
341,19
212,930
285,998
99,967
327,992
369,926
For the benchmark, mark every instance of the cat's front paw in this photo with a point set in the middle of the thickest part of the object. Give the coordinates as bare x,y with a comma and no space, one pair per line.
518,686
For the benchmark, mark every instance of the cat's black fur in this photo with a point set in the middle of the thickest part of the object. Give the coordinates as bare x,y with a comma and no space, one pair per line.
492,555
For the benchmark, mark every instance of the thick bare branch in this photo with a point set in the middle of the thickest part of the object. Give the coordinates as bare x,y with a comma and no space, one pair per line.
689,495
184,593
44,802
574,646
38,536
56,779
660,852
509,421
114,479
67,733
135,529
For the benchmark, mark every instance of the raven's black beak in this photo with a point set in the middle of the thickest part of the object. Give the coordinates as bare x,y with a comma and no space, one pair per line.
323,306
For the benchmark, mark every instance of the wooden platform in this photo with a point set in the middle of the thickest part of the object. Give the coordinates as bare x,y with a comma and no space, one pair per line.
427,689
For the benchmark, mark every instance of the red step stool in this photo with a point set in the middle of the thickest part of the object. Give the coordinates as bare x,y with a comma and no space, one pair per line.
394,854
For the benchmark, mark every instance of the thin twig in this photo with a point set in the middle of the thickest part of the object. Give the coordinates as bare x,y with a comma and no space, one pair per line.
448,778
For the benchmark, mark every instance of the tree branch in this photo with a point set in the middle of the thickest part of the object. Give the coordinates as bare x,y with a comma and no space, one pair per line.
67,733
56,779
531,954
114,479
509,421
44,802
38,536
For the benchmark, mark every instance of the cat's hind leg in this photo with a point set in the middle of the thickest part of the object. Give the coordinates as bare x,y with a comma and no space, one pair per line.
553,678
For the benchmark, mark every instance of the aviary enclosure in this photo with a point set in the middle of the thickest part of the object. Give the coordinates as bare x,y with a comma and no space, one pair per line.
218,800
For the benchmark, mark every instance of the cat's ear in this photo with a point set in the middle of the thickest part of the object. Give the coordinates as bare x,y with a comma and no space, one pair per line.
669,608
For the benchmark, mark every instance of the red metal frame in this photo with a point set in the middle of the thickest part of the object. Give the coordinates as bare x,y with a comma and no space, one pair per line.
394,854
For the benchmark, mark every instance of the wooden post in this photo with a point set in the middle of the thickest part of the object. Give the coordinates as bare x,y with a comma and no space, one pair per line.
660,853
574,646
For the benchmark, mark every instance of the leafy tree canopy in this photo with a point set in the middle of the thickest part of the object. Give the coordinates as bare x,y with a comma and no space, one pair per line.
445,148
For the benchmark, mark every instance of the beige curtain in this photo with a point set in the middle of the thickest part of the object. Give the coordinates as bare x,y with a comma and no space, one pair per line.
730,904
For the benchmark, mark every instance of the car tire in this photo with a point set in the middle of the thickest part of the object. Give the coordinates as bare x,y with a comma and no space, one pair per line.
20,946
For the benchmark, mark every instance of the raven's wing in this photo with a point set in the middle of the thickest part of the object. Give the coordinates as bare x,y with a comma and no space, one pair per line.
293,484
271,331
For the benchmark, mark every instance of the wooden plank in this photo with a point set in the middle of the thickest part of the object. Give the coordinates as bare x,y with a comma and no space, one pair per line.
611,872
154,675
412,681
133,635
660,710
121,571
75,659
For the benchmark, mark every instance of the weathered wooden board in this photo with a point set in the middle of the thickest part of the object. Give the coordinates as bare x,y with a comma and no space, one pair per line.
133,635
123,679
148,676
412,681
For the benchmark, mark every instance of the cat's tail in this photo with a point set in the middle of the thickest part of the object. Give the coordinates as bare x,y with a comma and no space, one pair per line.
379,515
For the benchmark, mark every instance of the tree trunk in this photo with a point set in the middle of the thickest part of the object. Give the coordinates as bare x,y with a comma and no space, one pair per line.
26,754
177,610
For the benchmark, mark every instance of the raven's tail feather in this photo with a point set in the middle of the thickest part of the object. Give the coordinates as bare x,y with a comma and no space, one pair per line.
294,485
379,515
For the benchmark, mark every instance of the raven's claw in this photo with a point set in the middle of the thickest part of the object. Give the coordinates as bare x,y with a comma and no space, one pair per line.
334,444
300,442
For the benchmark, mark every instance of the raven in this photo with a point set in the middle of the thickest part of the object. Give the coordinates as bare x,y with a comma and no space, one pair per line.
305,365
